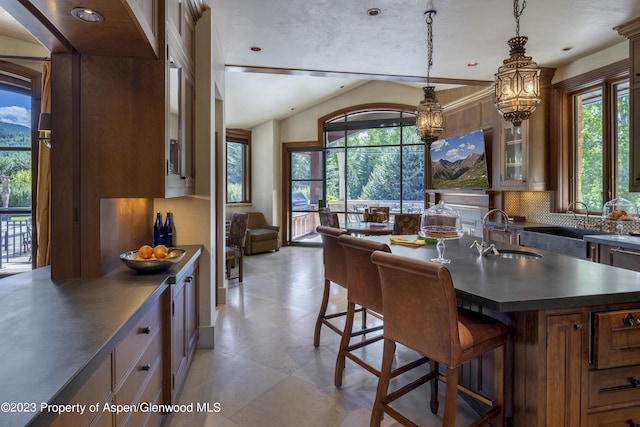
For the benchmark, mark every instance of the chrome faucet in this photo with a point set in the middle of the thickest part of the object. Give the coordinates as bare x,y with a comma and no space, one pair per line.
579,223
482,247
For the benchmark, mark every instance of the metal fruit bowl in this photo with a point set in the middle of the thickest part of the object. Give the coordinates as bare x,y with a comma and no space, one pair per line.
174,256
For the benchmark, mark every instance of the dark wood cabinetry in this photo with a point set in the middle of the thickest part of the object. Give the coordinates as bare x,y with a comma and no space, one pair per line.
184,329
631,30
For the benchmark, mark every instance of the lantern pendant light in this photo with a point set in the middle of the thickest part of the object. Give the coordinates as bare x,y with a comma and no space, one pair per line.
518,79
429,115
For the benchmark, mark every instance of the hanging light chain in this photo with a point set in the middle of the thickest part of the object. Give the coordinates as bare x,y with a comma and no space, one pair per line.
429,14
517,12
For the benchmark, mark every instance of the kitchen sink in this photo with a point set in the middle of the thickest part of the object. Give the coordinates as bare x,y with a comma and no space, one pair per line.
516,254
562,240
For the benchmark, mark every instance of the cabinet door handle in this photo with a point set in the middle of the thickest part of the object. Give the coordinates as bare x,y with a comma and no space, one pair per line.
632,424
634,382
146,367
577,326
188,279
145,330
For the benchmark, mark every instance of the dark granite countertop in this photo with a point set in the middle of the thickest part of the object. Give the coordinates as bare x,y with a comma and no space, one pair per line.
55,334
508,285
626,242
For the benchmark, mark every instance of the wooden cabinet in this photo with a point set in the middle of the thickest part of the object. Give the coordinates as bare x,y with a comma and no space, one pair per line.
184,328
97,390
616,256
631,30
138,366
523,152
563,369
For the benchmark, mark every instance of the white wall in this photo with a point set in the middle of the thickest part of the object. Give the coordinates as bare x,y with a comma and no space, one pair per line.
11,46
304,125
592,62
265,170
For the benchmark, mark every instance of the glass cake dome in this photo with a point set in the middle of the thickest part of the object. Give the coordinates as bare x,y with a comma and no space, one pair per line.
620,209
441,220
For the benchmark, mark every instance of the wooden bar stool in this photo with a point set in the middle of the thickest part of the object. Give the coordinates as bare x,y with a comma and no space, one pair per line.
335,271
363,289
420,312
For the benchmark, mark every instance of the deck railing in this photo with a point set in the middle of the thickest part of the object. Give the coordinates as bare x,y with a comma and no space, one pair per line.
16,232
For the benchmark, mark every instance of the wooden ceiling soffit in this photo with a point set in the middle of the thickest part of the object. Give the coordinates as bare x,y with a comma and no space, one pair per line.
131,28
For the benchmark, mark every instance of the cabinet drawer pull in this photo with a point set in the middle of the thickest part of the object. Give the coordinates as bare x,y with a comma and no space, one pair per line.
632,424
630,320
145,330
634,382
188,279
146,367
577,326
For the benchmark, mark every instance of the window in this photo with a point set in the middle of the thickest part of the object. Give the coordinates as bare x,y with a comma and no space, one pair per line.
373,158
592,122
16,173
238,166
601,144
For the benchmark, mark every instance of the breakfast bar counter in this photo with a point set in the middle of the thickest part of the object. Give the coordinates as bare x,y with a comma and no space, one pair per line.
574,346
55,335
510,285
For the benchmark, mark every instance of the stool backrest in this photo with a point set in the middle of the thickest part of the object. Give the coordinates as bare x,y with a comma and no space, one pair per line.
238,229
420,307
406,223
328,218
363,280
335,268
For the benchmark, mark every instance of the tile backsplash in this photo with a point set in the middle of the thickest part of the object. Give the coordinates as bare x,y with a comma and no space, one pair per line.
536,206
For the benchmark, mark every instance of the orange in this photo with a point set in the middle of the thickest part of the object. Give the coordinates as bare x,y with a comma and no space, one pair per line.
145,251
160,251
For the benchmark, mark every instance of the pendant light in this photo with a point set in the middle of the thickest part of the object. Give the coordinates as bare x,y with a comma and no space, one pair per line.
518,79
429,116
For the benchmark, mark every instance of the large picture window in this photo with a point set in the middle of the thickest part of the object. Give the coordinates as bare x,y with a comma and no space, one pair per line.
601,144
16,225
592,122
373,158
238,166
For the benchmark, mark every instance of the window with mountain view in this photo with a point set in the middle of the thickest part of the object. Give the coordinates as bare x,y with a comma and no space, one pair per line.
373,158
16,178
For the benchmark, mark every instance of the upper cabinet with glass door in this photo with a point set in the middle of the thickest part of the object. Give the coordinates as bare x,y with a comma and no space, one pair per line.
180,173
523,156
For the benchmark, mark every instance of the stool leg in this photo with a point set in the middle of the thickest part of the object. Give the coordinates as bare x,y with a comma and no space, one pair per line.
344,343
434,387
240,268
322,313
388,354
450,398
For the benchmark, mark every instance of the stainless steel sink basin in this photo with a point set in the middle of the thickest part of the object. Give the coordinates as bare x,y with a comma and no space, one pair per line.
516,254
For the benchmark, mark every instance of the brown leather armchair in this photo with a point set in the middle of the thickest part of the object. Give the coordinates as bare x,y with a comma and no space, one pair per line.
261,237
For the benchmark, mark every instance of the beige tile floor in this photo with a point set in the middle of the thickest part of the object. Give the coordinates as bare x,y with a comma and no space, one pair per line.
264,370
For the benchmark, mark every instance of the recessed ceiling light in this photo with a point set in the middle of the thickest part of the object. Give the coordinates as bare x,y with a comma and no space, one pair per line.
472,64
374,11
568,48
255,48
86,15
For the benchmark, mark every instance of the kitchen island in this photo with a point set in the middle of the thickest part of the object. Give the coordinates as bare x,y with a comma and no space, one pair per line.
56,336
572,359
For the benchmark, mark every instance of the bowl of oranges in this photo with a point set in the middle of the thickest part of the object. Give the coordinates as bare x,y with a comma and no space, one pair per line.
147,258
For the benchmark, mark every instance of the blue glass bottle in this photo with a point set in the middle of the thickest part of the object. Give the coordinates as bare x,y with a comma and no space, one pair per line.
158,231
169,231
